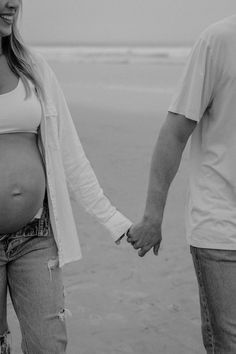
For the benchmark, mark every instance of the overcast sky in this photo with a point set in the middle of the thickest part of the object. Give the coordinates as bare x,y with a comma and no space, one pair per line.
120,21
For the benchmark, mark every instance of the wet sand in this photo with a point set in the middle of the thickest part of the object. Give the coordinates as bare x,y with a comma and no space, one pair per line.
121,303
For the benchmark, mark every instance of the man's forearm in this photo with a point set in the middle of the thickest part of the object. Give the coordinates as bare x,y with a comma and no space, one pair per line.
174,134
165,163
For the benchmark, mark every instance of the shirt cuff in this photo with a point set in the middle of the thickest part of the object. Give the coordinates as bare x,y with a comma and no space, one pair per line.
118,224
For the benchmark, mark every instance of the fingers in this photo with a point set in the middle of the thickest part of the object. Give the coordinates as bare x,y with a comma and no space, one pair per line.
144,250
135,243
156,249
131,241
144,238
147,248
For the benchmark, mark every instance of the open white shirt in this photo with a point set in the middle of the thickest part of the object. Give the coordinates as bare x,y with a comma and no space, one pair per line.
69,173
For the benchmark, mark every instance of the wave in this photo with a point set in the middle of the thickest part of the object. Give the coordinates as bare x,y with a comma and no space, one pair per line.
111,54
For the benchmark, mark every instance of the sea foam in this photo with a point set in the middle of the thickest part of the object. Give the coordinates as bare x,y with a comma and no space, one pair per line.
114,54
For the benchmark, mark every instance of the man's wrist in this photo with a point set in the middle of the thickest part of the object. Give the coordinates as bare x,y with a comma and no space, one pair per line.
153,219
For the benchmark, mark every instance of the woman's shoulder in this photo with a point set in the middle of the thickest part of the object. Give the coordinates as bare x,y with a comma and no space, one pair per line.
40,63
47,76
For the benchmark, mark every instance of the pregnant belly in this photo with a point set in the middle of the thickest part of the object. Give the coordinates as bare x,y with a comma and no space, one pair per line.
22,180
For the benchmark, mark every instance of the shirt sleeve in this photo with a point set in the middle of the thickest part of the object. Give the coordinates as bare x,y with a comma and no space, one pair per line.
82,182
195,91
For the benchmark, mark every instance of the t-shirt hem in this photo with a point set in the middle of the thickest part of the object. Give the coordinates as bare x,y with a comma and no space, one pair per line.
205,238
210,245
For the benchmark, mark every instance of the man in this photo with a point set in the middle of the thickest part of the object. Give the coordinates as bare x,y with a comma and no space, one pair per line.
204,106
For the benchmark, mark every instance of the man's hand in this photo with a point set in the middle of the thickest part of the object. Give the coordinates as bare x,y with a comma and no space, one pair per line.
144,236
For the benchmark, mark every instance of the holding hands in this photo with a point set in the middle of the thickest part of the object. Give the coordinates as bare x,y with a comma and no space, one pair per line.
166,159
144,236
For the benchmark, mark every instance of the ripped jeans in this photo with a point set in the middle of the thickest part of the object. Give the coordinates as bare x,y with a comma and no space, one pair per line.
29,270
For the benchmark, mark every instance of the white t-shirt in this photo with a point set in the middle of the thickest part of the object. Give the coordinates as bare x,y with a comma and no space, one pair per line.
207,94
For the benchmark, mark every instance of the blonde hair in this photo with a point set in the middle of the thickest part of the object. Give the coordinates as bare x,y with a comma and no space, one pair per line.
20,60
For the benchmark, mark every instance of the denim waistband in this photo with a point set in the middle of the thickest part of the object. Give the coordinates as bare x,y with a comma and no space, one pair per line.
36,227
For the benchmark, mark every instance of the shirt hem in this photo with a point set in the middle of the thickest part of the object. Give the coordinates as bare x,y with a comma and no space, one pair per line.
210,245
64,262
191,116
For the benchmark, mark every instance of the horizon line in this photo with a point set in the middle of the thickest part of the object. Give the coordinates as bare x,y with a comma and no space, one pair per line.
115,54
109,44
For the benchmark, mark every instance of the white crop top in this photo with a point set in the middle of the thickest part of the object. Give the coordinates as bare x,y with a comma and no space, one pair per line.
18,114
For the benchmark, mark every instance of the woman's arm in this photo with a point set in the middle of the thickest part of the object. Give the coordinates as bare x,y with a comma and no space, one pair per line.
81,179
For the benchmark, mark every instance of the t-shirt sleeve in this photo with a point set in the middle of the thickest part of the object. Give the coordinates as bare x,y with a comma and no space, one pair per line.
194,93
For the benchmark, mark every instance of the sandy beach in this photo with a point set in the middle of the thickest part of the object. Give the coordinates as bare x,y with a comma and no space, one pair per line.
120,303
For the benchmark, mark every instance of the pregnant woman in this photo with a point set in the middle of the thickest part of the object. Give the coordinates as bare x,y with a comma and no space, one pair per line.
42,165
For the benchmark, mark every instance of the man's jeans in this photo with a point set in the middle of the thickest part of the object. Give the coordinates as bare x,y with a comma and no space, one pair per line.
29,268
216,275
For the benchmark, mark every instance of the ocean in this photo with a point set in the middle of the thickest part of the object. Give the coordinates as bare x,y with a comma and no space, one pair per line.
115,54
126,79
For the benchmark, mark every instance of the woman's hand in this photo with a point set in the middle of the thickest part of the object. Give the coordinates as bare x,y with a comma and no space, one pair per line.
144,236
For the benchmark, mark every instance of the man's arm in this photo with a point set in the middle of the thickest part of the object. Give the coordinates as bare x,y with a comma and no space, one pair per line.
167,155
